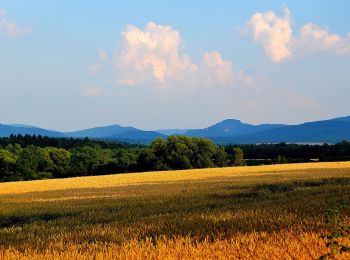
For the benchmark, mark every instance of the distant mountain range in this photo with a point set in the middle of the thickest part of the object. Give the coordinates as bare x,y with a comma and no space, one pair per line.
328,131
229,128
7,130
102,131
224,132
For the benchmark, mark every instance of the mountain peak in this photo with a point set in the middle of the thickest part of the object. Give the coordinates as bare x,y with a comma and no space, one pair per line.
230,121
227,124
230,127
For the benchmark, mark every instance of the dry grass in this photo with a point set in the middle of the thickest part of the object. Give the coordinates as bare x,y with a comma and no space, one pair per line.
282,245
168,177
264,212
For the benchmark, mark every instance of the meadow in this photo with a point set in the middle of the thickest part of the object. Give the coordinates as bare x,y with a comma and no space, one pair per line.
288,211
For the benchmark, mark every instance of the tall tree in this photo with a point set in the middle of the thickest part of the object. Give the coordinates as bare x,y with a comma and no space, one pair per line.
238,155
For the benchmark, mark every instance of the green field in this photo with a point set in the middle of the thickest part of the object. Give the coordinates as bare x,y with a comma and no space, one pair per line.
266,212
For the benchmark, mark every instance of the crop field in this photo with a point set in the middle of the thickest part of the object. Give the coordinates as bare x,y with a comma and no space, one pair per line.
289,211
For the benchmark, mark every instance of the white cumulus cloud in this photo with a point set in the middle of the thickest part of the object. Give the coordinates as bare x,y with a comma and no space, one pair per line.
274,33
215,71
153,56
10,28
316,39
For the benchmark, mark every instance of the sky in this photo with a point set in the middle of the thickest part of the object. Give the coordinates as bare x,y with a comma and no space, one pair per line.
69,65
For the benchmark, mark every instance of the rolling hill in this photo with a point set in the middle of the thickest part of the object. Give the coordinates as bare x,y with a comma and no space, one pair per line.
7,130
227,131
230,127
101,132
136,136
326,131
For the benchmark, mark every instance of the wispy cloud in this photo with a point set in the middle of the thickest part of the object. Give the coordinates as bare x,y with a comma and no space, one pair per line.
10,28
102,57
297,100
93,91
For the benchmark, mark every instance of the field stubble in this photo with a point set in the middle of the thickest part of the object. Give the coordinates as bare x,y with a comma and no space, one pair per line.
270,212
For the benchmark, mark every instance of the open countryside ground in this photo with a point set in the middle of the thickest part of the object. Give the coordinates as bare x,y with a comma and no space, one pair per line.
263,212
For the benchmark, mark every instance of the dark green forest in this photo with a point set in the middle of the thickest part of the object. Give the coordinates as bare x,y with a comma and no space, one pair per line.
36,157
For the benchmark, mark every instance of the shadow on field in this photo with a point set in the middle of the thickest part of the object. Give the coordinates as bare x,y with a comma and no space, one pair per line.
282,187
20,220
299,205
208,211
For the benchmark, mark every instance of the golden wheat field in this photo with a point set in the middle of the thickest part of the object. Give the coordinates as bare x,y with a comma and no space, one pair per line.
291,211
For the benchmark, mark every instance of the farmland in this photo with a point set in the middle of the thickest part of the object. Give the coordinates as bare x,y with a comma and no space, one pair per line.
260,212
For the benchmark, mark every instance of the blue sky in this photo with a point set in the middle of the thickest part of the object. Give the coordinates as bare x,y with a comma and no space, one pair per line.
69,65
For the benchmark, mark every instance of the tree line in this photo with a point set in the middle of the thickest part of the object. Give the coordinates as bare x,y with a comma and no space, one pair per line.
36,157
293,153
